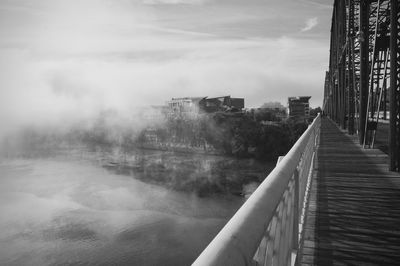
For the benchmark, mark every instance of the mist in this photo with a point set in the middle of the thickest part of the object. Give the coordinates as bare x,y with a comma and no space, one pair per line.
64,61
66,212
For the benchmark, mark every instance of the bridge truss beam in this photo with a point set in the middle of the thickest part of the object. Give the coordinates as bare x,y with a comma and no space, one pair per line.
362,86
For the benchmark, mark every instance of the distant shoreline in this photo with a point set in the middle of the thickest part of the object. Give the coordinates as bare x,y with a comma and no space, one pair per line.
180,149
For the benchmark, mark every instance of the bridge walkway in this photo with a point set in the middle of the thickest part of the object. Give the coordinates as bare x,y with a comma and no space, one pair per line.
354,206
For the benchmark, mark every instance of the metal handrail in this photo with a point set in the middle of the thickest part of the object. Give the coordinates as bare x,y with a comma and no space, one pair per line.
244,234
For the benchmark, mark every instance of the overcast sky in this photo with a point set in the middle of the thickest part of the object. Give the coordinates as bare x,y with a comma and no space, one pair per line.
65,57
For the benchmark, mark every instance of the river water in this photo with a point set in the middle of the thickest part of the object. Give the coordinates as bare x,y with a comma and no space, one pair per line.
66,211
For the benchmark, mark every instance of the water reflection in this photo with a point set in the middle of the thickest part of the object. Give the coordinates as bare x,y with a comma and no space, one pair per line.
203,174
62,211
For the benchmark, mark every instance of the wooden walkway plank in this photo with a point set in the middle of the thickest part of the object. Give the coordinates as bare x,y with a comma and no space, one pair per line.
353,215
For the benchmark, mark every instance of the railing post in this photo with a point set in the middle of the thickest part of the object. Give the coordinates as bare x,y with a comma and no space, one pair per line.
295,236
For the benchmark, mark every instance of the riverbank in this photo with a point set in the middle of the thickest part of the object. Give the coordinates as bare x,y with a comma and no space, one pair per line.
202,174
181,148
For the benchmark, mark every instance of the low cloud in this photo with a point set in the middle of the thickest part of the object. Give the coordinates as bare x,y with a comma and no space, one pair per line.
174,2
258,70
310,24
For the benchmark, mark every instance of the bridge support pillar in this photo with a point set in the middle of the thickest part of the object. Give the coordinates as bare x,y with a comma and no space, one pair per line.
363,36
394,134
350,69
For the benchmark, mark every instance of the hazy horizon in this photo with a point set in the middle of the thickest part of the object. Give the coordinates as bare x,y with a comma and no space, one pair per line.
63,60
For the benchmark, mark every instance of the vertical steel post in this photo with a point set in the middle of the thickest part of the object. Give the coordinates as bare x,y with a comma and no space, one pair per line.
339,65
363,36
333,64
350,48
394,134
342,63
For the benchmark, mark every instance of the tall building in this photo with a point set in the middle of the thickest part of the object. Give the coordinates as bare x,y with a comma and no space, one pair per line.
299,107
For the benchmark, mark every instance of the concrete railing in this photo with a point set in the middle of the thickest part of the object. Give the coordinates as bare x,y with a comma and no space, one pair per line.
266,229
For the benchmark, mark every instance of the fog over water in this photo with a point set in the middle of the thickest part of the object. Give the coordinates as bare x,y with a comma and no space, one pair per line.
63,201
57,212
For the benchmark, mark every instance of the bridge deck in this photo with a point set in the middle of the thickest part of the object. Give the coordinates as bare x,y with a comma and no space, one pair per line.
354,206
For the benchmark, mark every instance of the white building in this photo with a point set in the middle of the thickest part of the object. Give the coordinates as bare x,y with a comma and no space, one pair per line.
188,106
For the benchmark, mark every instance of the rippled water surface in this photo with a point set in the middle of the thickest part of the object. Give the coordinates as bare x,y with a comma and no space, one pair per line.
71,212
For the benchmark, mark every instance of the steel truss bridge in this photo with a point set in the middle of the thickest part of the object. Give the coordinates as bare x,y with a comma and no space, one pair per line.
362,86
334,199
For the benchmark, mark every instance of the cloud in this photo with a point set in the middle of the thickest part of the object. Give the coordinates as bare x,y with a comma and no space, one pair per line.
310,23
128,55
174,2
319,3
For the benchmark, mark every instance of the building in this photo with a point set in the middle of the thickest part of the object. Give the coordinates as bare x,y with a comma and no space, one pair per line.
223,103
187,106
299,107
237,103
191,107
